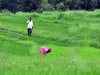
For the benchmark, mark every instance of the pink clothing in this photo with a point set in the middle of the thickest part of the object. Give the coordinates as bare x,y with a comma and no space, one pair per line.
43,49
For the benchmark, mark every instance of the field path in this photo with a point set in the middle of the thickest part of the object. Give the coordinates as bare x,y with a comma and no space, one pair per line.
10,32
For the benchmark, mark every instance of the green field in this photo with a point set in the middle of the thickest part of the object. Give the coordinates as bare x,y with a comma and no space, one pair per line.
73,36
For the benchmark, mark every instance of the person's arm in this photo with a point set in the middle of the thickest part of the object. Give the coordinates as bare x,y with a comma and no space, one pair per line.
32,27
28,22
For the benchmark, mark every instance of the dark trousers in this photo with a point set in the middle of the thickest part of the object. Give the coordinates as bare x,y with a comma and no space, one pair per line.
29,31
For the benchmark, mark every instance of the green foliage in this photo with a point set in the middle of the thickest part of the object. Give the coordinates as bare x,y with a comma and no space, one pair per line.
45,6
51,5
61,16
47,13
11,5
48,7
60,7
35,14
5,11
39,10
24,58
48,23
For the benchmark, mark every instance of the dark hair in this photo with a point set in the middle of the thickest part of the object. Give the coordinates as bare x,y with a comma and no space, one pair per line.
30,18
49,50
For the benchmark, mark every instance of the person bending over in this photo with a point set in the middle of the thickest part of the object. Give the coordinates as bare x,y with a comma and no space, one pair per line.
44,50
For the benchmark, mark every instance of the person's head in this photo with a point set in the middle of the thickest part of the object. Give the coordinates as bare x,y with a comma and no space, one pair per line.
30,19
49,50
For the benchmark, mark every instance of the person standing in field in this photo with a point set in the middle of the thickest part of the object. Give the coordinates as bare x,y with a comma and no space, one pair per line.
29,26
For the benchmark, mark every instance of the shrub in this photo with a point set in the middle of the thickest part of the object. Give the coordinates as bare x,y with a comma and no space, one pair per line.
47,13
60,7
61,16
35,14
5,11
95,44
47,7
0,11
39,10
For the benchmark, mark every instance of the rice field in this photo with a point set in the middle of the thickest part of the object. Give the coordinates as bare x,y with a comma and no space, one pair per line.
73,37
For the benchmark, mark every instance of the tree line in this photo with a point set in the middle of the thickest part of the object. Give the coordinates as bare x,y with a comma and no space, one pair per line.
48,5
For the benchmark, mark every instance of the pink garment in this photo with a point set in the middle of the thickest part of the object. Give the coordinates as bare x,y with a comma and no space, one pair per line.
43,49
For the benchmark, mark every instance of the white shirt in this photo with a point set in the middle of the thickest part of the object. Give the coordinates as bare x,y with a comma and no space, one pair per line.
29,24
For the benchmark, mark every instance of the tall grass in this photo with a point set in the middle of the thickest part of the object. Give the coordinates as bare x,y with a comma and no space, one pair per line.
69,24
81,25
73,37
23,58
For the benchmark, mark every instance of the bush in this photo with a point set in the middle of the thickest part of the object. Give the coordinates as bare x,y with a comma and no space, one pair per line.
95,44
61,16
35,14
39,10
47,13
60,7
5,11
47,7
0,11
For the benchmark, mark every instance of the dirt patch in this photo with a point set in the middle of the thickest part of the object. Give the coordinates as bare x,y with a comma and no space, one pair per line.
10,32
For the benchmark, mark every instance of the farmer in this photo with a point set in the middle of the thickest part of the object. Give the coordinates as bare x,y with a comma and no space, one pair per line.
44,50
29,26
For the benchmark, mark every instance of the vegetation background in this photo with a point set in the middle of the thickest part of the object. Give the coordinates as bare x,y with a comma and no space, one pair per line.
48,5
72,33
